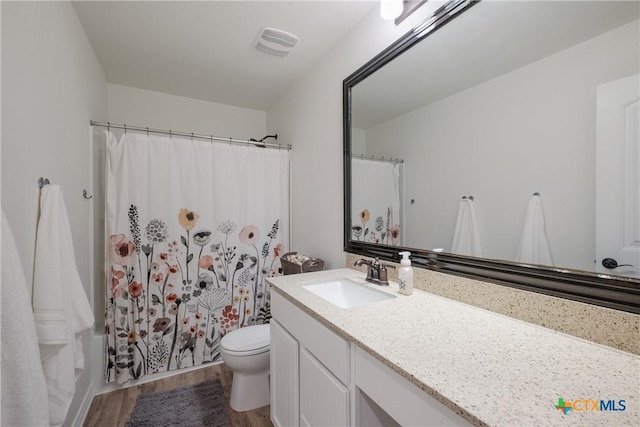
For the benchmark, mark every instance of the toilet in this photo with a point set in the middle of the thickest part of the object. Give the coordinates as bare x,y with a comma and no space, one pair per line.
246,352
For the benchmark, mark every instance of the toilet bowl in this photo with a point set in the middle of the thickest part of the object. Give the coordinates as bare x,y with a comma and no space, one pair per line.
246,352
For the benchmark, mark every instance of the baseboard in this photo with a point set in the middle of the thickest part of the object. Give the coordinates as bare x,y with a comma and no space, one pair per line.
81,415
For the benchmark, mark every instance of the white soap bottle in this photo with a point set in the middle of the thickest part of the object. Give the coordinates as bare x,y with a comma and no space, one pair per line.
405,274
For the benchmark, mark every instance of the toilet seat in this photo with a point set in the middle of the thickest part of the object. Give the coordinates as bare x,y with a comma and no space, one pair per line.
247,341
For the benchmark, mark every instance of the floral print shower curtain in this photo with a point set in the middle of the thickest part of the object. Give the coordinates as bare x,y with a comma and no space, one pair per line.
193,228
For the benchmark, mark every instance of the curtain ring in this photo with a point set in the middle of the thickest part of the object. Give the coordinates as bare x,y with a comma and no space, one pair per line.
108,127
170,134
125,129
147,131
191,136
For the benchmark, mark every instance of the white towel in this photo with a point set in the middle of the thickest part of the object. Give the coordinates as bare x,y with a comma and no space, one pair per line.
534,248
61,308
24,389
466,235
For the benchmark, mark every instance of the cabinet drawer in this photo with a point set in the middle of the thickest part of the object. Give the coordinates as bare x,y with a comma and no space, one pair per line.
328,347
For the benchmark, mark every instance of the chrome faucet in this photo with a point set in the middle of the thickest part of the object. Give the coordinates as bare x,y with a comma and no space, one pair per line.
376,271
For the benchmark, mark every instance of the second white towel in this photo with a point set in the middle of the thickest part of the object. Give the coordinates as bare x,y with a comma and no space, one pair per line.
466,236
61,308
534,248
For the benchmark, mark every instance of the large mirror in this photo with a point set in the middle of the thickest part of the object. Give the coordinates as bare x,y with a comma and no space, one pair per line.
499,140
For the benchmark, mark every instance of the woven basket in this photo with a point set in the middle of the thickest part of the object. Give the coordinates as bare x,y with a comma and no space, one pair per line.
290,265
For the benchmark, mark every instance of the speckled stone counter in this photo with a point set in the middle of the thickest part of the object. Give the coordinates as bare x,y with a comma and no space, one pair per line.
613,328
489,368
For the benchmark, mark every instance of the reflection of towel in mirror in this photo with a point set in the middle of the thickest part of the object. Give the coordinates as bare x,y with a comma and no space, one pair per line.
24,389
534,248
61,308
466,236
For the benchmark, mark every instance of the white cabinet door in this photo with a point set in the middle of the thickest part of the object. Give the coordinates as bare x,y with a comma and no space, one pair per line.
324,401
284,377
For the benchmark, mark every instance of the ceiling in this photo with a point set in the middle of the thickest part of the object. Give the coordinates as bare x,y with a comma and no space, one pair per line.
205,49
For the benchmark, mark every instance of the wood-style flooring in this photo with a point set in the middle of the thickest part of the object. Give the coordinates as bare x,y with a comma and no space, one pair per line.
113,409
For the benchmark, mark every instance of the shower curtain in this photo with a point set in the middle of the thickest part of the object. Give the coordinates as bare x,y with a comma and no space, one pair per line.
192,230
375,201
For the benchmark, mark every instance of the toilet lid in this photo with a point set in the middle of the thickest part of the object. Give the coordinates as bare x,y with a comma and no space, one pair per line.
247,339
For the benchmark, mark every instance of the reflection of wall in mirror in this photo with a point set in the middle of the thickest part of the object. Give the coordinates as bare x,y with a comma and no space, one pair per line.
358,141
523,132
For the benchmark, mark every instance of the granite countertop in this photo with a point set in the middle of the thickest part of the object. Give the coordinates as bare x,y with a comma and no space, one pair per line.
491,369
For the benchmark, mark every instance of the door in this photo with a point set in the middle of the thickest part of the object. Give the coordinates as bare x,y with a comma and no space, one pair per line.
324,401
618,177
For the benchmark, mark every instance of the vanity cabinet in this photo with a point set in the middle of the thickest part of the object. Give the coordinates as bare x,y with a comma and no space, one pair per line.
424,360
309,369
319,378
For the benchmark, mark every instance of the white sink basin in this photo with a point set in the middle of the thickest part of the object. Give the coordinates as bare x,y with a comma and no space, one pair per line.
347,294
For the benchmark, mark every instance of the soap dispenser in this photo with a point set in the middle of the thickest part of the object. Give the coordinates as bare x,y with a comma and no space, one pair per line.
405,274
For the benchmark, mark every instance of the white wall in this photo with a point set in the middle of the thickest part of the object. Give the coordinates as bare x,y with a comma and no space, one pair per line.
145,108
523,132
52,85
309,117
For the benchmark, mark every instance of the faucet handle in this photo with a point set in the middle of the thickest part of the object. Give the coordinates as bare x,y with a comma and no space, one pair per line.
374,269
383,272
382,277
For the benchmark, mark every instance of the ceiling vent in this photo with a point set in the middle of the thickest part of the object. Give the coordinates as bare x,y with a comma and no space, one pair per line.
275,42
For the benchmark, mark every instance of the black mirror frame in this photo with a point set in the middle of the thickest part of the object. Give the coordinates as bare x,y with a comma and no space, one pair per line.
615,292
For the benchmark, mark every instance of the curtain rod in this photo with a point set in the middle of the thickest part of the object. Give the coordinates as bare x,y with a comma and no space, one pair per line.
378,158
258,143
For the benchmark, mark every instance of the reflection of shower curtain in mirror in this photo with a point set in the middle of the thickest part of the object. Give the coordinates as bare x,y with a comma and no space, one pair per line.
375,201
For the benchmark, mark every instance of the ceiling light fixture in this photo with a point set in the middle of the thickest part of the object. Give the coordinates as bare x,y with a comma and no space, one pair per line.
390,9
275,42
